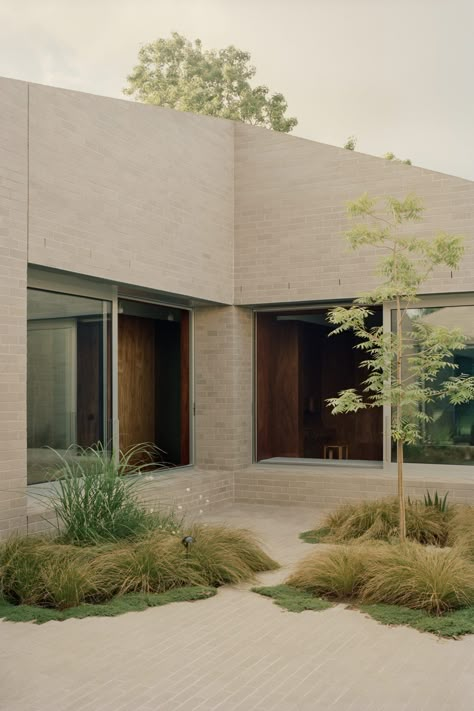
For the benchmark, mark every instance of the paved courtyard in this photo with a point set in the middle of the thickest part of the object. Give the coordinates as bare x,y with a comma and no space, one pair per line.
236,651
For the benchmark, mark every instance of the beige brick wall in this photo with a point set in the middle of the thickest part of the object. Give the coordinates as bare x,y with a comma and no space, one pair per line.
132,193
203,208
188,491
13,248
290,197
223,387
327,487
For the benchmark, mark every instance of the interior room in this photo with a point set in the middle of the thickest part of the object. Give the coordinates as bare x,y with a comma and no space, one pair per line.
299,366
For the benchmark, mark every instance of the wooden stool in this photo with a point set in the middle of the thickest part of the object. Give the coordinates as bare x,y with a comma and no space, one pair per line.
341,449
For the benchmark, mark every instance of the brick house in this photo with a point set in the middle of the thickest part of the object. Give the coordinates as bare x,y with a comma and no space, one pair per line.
165,278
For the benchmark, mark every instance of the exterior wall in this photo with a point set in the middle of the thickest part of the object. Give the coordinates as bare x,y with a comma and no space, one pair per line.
328,487
290,197
13,247
223,387
201,208
186,491
131,193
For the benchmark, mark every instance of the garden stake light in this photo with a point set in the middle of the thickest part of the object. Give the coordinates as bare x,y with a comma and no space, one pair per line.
187,541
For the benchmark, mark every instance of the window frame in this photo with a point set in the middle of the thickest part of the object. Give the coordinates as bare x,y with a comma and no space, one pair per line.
425,301
75,285
387,466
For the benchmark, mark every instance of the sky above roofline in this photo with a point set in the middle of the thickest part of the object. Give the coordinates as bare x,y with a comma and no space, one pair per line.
397,74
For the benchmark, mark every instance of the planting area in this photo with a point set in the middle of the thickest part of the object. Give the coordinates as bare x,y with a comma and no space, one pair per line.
431,571
237,650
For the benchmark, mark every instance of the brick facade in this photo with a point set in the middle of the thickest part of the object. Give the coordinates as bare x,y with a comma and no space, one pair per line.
13,259
221,215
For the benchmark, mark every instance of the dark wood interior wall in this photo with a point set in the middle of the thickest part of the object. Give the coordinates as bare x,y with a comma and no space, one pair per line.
136,376
361,431
279,410
168,389
89,384
184,389
298,368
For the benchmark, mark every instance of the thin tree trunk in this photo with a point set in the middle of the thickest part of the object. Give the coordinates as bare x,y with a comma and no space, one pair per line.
401,495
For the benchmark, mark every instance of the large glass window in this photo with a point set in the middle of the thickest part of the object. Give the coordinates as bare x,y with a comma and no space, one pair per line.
299,366
68,377
69,374
449,437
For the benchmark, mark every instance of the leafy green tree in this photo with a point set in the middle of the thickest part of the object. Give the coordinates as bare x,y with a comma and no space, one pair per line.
351,143
406,368
180,74
392,156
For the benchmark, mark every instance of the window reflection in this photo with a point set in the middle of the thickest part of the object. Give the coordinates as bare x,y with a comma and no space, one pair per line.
449,437
68,377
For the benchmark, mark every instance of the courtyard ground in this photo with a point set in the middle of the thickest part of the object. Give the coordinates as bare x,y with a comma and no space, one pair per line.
236,651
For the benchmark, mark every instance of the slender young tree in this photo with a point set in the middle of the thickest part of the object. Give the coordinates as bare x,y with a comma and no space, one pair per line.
412,366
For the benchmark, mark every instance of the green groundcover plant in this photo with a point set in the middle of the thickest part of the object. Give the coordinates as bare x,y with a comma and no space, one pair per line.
292,599
133,602
450,625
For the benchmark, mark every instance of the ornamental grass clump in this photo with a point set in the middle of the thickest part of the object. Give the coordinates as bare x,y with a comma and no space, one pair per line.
44,572
153,565
338,573
37,571
97,498
461,530
411,575
379,520
419,577
228,555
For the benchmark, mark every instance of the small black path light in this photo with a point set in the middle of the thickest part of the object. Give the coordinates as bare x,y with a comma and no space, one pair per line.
187,541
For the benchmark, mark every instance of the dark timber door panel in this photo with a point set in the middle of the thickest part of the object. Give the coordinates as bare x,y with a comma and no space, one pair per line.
136,371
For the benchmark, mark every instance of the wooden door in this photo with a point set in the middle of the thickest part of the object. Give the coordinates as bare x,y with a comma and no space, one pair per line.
279,404
136,380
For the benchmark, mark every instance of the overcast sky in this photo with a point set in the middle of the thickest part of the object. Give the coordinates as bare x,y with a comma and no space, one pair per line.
398,74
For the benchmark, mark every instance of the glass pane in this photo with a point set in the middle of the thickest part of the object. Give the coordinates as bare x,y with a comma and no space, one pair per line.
300,366
449,437
68,378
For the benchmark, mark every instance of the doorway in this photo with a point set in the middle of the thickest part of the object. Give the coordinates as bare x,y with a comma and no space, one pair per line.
154,380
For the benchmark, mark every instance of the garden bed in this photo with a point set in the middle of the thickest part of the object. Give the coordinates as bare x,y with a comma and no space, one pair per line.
426,582
49,574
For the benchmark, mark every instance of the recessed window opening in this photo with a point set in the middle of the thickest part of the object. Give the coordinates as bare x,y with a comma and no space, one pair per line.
153,379
447,437
299,366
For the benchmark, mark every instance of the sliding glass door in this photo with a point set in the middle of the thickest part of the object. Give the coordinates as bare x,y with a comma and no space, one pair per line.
68,378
